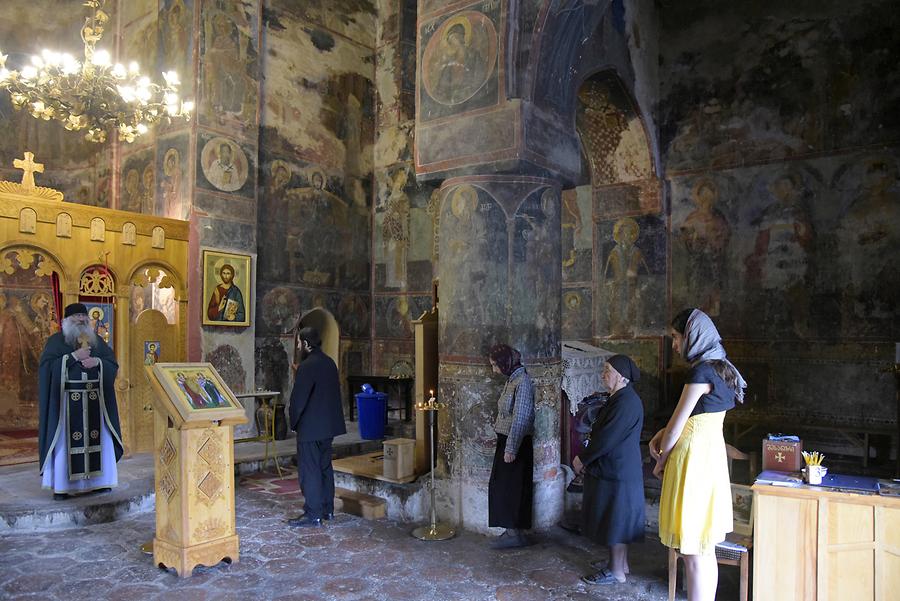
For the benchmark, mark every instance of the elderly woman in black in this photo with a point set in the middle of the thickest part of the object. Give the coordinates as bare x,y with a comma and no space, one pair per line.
510,487
613,503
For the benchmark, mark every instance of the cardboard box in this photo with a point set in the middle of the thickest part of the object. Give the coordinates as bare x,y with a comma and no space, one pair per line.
399,458
782,456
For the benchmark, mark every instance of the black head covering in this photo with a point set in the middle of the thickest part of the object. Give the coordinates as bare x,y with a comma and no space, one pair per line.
625,366
75,309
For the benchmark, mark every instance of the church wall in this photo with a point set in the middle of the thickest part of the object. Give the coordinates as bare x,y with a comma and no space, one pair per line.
780,146
404,243
318,114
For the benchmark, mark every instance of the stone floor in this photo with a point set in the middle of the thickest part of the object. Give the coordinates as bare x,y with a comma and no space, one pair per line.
349,558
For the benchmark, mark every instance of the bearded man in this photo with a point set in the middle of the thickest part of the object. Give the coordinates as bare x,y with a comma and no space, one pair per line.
79,435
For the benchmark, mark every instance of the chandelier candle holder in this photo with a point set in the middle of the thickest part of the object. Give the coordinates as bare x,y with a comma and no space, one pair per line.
94,94
433,530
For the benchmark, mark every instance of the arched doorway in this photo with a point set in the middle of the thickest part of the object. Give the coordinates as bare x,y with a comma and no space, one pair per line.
327,326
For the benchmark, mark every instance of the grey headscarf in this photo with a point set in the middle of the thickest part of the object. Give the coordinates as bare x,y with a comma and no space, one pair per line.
703,343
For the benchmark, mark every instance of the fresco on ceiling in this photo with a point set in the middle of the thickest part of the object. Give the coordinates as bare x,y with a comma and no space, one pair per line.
351,19
459,62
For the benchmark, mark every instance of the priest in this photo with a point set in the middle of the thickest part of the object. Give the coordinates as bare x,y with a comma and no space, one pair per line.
79,435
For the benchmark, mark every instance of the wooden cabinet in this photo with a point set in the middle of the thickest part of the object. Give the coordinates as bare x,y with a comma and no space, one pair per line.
817,545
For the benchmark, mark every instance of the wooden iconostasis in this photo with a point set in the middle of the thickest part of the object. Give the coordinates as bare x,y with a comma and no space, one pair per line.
127,268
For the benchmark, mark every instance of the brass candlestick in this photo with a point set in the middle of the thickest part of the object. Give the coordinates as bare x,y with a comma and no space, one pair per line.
434,530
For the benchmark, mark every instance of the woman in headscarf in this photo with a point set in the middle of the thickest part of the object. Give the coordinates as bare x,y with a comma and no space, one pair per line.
695,505
613,503
510,486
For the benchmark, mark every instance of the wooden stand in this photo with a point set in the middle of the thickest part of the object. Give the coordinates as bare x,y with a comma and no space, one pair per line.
194,465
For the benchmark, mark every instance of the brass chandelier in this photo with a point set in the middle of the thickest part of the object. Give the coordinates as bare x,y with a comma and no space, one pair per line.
95,94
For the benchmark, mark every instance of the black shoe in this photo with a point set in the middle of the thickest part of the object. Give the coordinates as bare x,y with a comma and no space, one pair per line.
304,522
100,491
328,516
60,496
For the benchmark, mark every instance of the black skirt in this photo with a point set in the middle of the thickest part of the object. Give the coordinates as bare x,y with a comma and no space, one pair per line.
612,511
510,489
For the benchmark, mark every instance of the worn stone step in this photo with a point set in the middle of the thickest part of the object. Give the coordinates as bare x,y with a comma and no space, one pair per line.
356,503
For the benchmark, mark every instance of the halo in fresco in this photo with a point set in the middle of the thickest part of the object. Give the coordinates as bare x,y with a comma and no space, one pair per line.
459,58
224,164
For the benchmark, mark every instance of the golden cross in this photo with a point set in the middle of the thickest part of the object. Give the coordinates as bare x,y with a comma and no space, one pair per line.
84,342
29,167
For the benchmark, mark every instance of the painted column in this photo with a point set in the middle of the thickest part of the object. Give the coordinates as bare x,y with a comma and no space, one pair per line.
500,273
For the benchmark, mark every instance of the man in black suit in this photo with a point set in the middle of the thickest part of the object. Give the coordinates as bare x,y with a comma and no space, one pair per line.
317,416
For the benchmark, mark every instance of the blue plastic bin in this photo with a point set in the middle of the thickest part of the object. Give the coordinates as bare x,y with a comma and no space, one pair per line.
371,407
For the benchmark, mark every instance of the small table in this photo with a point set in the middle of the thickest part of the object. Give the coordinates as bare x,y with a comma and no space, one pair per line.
403,386
264,397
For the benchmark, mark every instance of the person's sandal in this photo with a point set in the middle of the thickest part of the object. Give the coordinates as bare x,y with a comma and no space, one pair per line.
604,576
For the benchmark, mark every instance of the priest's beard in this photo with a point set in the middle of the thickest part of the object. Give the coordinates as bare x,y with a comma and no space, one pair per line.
74,331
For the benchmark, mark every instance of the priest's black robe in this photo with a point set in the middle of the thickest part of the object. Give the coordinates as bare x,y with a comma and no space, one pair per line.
50,386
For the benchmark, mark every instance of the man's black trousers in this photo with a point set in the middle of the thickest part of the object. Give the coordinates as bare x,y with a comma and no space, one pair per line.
316,477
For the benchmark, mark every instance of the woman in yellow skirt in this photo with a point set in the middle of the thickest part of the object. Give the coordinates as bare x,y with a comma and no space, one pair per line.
695,505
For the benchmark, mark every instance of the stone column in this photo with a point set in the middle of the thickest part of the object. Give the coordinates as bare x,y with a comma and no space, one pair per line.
500,274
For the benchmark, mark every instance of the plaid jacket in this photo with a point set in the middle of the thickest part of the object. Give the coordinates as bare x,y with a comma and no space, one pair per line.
515,411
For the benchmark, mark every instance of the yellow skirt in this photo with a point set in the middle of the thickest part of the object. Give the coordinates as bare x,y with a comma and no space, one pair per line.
695,506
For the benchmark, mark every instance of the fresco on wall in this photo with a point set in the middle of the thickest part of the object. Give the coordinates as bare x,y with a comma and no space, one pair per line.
804,83
459,63
536,268
310,234
224,165
229,66
353,316
472,270
577,234
617,148
319,105
137,185
799,247
577,322
868,243
175,42
27,319
227,361
702,243
172,171
404,231
393,315
353,19
140,38
631,277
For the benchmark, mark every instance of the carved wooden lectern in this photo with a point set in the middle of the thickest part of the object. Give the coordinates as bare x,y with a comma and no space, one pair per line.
194,465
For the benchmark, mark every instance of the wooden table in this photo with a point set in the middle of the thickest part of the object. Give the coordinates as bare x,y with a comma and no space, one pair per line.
264,397
816,544
402,386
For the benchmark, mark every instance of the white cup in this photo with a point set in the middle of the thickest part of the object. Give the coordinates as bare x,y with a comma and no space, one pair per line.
813,474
